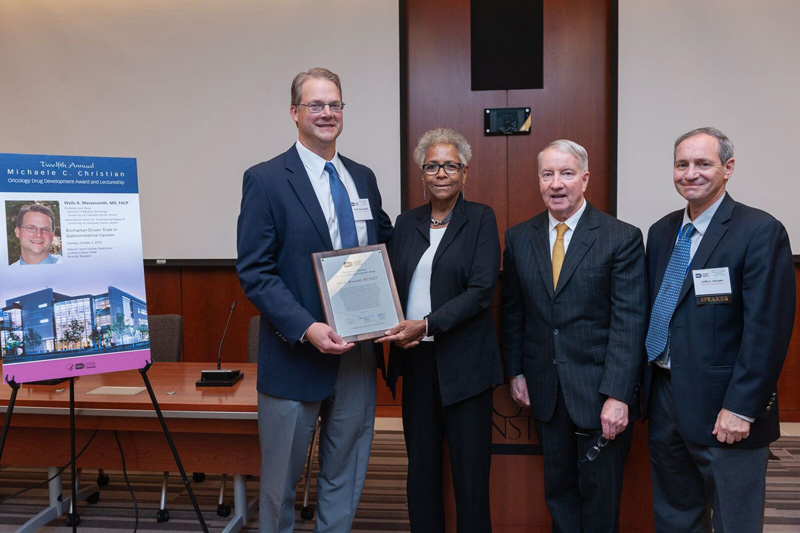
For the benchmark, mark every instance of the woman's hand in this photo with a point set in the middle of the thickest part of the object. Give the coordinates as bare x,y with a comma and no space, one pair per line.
406,334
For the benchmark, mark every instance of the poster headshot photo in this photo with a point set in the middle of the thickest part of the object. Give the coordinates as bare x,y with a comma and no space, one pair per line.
34,233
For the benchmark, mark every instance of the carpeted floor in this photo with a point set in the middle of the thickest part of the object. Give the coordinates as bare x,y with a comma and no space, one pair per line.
782,511
382,507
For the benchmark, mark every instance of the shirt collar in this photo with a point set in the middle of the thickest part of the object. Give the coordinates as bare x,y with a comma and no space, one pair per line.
703,219
571,222
315,164
49,260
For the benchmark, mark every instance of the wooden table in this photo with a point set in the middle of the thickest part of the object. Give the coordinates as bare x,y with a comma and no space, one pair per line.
215,429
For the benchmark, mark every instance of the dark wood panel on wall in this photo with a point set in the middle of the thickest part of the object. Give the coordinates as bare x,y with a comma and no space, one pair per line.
439,95
163,288
208,293
575,103
788,391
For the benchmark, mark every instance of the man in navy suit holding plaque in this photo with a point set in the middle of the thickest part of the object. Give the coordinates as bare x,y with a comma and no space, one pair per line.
309,199
722,293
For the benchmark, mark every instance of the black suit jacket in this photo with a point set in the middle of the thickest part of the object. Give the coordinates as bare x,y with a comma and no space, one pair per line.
463,281
728,355
280,225
587,336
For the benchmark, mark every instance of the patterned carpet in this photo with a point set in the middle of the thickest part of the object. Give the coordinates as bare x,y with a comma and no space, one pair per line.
782,511
382,507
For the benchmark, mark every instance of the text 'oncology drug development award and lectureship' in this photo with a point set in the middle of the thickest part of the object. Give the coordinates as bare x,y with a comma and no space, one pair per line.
72,290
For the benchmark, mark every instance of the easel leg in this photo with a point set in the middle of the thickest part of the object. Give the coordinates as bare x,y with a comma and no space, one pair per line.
14,388
143,372
73,518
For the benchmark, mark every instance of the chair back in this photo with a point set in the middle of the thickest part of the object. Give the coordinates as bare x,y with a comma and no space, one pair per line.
252,339
166,337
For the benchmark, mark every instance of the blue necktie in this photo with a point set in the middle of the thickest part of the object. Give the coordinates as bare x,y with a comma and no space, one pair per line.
344,211
667,297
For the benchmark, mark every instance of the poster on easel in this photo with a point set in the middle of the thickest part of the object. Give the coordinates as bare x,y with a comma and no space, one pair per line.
72,290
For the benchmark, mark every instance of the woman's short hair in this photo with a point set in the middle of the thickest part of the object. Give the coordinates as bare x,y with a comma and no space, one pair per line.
442,136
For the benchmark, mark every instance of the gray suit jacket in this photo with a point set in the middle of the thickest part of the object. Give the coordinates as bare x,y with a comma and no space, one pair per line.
587,336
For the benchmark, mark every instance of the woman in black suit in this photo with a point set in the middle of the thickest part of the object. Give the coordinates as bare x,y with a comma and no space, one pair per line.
446,256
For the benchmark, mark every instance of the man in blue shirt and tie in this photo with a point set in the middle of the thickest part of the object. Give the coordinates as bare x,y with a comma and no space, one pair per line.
298,203
722,293
35,230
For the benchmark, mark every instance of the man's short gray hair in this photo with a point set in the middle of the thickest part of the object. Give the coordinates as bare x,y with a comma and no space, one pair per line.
724,145
570,148
442,136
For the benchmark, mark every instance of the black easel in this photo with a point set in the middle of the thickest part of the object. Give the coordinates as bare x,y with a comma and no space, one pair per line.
14,389
143,372
72,518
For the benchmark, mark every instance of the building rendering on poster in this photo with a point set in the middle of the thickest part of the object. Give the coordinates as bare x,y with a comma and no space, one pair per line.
71,275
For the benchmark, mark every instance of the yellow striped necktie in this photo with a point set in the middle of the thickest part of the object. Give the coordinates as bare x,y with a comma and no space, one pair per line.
558,252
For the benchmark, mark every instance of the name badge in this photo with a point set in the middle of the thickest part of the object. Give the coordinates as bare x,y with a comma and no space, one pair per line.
361,210
712,285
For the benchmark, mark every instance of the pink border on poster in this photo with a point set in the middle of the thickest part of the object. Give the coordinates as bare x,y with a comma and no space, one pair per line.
76,366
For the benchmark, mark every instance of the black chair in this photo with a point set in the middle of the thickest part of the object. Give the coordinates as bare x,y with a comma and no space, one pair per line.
252,339
166,337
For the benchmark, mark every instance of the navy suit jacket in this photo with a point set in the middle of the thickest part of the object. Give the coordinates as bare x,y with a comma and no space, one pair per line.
463,281
587,335
280,225
728,355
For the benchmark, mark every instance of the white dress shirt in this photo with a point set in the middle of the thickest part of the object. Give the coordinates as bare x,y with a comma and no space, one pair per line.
700,224
419,291
571,222
315,168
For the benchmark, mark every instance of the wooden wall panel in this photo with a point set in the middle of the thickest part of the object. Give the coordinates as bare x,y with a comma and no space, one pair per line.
788,391
575,103
439,95
207,295
163,288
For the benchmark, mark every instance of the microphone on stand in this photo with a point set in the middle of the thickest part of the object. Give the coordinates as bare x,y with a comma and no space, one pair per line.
219,377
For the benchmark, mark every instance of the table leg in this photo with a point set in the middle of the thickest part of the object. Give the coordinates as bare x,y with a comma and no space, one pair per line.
242,510
58,505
